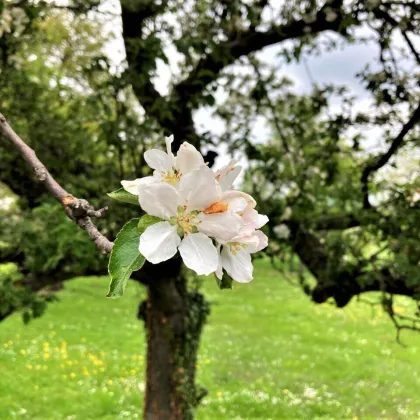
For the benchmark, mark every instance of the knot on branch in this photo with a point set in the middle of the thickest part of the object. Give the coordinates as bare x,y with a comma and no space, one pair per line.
77,208
41,173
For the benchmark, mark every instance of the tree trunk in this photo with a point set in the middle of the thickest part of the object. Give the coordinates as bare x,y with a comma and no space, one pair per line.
174,320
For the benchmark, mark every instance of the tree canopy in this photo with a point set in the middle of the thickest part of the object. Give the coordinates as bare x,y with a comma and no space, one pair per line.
332,198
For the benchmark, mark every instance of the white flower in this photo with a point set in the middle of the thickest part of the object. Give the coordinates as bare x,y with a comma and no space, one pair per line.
235,256
415,197
282,231
167,167
5,22
251,218
227,175
189,211
287,214
309,392
198,212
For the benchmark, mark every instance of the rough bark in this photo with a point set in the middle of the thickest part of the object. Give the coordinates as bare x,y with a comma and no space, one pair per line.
174,319
78,210
343,284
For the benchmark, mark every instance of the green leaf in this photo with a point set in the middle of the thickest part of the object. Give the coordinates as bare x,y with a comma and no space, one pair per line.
125,196
147,221
226,282
125,258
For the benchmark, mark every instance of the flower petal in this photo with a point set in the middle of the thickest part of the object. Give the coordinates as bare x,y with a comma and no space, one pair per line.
199,189
199,253
158,199
230,195
238,266
253,219
219,271
159,242
169,140
222,226
227,182
158,160
227,175
188,158
262,220
260,241
251,241
132,186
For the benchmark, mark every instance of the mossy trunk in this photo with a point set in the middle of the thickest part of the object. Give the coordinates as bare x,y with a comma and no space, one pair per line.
174,320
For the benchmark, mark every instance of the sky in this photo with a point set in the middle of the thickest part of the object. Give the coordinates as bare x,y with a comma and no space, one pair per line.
337,67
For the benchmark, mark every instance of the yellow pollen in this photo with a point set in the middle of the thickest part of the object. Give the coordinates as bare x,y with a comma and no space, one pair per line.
171,177
216,207
235,247
185,224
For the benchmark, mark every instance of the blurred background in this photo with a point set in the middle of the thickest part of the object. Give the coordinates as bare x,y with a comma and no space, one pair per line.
319,102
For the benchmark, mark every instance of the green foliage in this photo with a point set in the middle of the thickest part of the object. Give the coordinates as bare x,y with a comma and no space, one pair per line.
225,282
44,237
124,196
125,258
57,92
81,114
15,296
146,221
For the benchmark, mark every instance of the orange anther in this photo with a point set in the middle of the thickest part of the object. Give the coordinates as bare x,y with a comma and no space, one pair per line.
216,207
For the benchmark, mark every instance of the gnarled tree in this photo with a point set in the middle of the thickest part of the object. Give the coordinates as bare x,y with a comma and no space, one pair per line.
314,176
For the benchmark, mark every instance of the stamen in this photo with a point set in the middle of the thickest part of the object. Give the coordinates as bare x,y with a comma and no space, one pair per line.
171,178
216,207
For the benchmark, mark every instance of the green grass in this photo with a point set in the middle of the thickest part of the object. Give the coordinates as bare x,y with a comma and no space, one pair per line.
267,353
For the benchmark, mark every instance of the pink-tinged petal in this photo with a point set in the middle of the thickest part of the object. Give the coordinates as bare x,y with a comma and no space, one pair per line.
230,195
222,226
247,230
222,171
188,158
250,240
261,242
199,253
198,189
253,219
227,182
159,242
238,266
158,160
237,205
158,199
228,174
250,216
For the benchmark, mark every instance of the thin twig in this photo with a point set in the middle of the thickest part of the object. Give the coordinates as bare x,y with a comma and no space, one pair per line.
383,159
78,210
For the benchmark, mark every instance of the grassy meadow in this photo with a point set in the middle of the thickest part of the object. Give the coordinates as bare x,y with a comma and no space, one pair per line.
267,353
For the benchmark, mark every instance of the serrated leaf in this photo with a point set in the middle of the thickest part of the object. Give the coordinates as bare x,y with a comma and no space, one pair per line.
125,258
124,196
147,221
226,282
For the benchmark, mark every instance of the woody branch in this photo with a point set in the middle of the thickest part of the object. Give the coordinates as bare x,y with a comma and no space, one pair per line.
78,210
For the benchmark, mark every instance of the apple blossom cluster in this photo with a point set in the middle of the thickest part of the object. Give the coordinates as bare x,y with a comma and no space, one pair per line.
212,226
